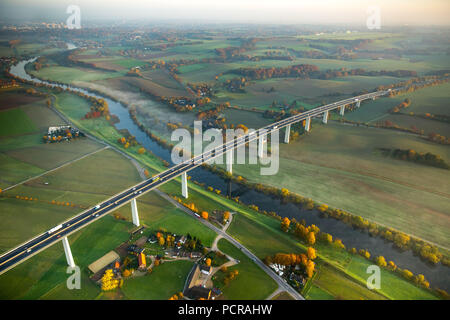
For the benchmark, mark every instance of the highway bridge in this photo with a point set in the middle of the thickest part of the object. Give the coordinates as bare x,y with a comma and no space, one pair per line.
60,233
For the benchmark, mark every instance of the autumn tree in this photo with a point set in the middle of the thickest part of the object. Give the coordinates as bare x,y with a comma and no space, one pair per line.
208,262
309,268
141,150
285,224
311,253
311,238
205,215
381,261
108,281
226,215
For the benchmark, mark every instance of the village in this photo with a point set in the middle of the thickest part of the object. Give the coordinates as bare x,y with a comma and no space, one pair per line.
147,249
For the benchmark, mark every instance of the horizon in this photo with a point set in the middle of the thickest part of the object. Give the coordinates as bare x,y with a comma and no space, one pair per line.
284,12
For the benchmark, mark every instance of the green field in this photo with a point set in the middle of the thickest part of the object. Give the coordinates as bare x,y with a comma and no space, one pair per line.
69,75
404,195
15,121
263,236
77,184
44,275
329,282
251,283
164,281
22,150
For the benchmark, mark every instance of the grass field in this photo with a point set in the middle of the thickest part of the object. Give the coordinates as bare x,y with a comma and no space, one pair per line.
283,296
15,121
22,150
44,275
263,236
306,91
431,100
251,283
339,286
165,280
68,75
77,184
404,195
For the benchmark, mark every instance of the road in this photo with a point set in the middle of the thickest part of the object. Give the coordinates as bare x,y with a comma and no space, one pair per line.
44,240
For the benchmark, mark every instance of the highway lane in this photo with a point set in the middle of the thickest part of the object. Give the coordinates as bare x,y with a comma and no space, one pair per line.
37,244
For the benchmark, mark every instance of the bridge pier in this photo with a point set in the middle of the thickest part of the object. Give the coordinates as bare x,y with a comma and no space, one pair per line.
287,134
184,188
325,117
373,98
68,252
308,124
342,110
229,160
134,212
358,104
261,141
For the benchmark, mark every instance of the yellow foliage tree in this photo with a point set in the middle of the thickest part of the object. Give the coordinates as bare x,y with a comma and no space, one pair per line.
108,281
311,253
208,262
205,215
311,238
310,268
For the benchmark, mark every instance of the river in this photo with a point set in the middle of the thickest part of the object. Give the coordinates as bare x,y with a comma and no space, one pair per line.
438,275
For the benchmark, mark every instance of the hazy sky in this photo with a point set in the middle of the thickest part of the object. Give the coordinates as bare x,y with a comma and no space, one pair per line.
413,12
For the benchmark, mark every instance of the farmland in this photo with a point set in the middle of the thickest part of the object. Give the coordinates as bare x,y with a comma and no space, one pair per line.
339,164
345,159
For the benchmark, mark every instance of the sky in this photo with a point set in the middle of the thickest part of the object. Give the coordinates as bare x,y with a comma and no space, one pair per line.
353,12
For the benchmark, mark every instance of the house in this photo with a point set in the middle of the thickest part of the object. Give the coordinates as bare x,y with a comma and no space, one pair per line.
195,255
152,239
142,262
107,259
205,269
297,278
198,292
134,249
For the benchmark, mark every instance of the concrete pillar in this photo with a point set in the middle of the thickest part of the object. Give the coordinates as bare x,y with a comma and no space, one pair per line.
134,212
261,140
308,124
184,188
358,103
287,134
325,117
229,160
342,111
68,252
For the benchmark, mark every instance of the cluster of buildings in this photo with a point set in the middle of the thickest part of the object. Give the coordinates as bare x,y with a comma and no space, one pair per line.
199,286
294,278
62,133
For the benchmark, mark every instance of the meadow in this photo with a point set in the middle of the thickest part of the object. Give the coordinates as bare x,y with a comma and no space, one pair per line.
343,158
251,283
